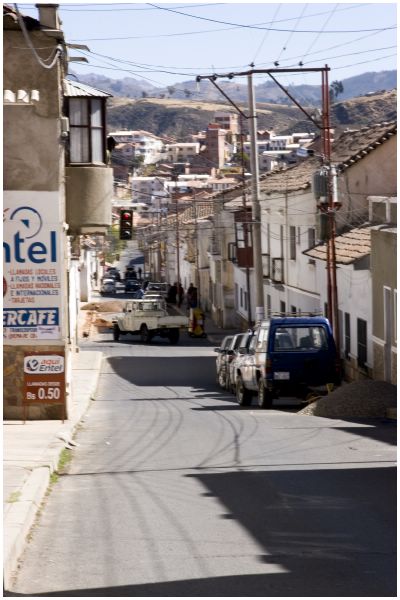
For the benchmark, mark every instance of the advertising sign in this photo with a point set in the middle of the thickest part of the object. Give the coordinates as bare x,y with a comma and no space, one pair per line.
32,260
44,378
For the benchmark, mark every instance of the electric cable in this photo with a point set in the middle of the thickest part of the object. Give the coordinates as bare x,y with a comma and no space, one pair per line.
262,28
42,62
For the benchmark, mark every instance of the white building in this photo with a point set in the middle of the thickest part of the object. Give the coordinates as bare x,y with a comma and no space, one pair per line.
149,189
181,152
145,144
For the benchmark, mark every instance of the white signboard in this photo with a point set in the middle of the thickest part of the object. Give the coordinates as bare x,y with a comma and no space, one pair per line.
32,260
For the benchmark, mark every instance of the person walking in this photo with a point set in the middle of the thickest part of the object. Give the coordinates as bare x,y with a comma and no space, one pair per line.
181,293
189,295
172,292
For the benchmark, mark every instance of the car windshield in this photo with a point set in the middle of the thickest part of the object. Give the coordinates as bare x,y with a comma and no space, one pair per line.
300,338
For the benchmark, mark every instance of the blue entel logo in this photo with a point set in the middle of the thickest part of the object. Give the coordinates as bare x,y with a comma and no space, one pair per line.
23,248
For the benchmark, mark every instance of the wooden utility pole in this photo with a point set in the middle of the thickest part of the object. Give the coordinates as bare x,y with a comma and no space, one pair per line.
324,127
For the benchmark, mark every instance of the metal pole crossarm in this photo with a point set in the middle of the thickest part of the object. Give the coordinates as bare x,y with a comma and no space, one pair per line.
303,110
227,97
261,71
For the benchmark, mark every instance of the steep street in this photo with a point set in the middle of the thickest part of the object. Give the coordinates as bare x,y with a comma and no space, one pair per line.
174,490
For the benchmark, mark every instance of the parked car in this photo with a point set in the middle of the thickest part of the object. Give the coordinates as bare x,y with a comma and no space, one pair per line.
131,285
230,354
288,356
108,286
221,362
113,273
239,353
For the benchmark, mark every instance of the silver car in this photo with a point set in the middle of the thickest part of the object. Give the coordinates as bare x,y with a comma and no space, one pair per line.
239,354
108,287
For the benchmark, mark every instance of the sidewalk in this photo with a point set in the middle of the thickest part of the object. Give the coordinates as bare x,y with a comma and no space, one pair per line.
31,452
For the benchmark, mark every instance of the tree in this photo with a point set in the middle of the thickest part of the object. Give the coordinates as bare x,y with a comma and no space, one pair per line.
144,94
171,90
187,93
335,89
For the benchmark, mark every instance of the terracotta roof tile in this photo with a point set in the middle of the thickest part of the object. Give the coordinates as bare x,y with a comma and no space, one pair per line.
350,246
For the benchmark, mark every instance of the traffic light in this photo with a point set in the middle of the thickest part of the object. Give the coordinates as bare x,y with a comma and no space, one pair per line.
126,224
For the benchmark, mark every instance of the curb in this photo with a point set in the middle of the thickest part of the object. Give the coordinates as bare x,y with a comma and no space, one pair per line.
21,516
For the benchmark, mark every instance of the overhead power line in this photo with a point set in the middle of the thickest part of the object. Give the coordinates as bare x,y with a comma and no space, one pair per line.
266,28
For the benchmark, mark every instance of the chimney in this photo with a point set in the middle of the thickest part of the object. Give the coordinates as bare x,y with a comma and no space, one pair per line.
48,16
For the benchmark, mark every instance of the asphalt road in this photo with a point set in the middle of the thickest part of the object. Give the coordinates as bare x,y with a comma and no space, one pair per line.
176,491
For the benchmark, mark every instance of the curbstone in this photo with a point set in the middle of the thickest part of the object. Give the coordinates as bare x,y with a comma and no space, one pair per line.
20,518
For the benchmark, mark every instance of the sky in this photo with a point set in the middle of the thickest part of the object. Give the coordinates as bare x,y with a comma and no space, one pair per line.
168,43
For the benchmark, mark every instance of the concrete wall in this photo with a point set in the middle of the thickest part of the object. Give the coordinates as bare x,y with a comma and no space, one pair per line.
31,132
384,302
374,175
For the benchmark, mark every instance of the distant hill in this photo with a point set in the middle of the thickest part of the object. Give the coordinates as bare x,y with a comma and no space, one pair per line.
178,119
129,87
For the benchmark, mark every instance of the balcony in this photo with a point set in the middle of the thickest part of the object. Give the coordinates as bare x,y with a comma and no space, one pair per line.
89,192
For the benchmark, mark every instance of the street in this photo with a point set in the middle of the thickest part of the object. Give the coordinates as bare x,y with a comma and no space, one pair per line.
173,490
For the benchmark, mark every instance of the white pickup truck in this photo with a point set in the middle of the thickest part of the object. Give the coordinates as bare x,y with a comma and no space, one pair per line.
148,318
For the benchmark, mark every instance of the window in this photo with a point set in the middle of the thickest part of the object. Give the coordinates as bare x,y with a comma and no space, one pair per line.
311,237
293,310
292,236
262,339
87,131
282,307
361,343
347,335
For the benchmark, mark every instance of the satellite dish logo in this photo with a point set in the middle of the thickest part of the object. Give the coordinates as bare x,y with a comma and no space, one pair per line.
32,365
30,219
43,364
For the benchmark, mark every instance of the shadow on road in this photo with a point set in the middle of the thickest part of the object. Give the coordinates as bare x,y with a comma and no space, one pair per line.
320,532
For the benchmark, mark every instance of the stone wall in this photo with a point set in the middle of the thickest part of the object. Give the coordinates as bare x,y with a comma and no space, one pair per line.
13,385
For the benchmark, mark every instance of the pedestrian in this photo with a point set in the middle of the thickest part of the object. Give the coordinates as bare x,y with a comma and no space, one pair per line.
181,293
189,295
140,272
193,302
172,292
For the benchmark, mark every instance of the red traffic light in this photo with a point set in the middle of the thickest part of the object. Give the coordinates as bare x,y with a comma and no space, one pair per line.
126,215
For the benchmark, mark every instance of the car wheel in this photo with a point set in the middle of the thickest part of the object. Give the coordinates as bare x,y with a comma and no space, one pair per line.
174,336
116,332
243,395
264,397
145,334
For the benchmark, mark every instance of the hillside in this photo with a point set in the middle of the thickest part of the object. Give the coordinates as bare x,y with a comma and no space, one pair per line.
178,119
129,87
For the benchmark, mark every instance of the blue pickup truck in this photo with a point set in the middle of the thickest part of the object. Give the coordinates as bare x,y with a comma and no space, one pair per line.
288,356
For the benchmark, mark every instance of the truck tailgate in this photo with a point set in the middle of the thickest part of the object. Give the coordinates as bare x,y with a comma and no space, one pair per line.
173,321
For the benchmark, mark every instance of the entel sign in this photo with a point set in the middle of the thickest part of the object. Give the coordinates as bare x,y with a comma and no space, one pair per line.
32,258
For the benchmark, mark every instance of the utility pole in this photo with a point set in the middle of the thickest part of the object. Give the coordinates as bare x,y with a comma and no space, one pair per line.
245,224
255,196
178,274
196,230
324,127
